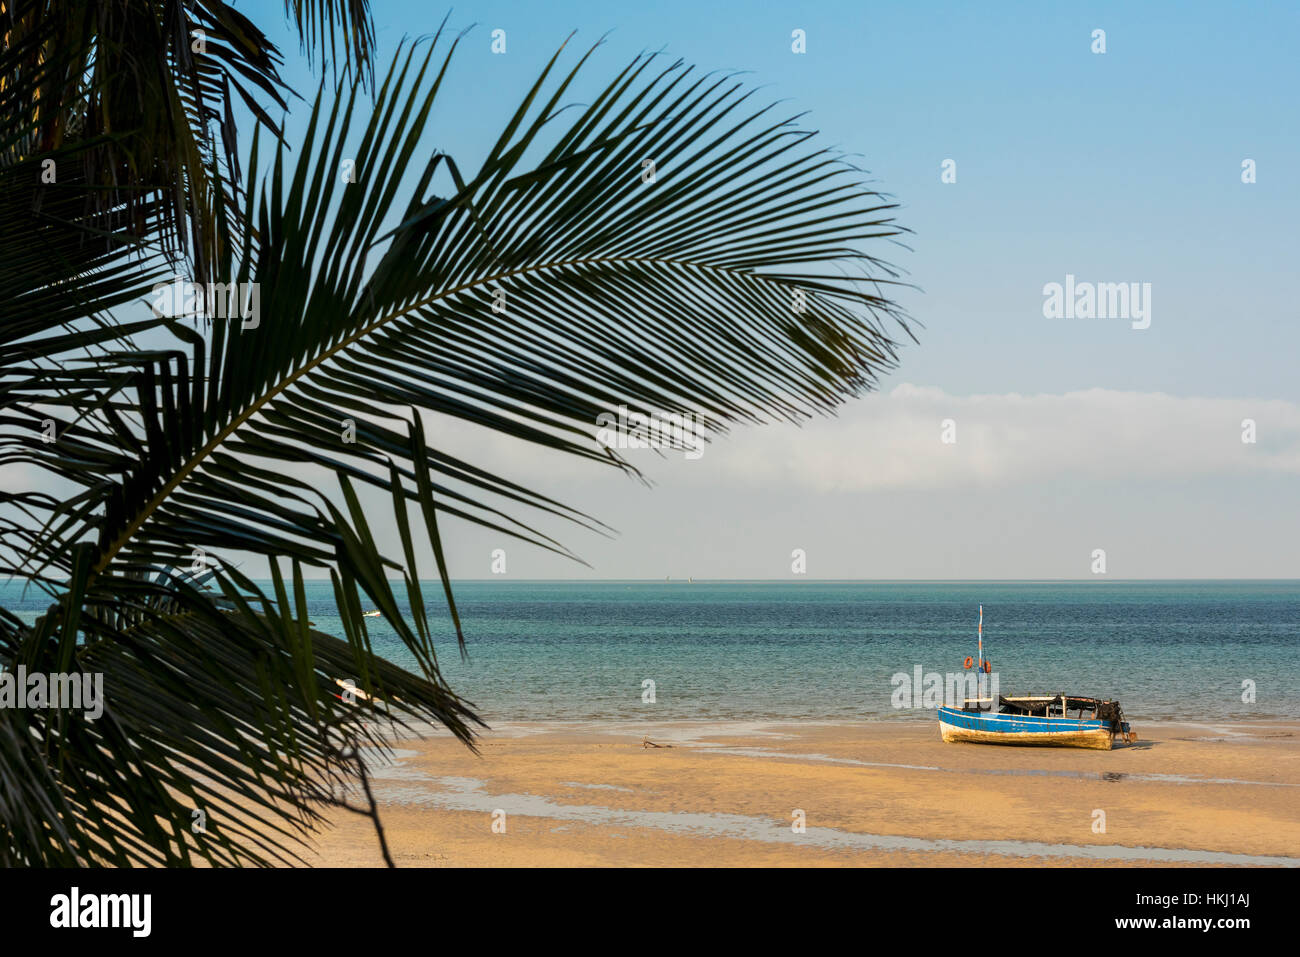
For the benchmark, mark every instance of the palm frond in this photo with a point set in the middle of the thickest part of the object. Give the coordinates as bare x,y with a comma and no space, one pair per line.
146,89
732,285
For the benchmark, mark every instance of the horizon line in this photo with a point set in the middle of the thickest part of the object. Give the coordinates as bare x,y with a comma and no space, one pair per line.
866,581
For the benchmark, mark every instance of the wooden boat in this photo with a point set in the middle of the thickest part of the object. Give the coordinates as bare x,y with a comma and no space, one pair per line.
1051,720
1044,720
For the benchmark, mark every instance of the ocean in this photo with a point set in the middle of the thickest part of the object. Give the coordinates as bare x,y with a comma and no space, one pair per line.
832,650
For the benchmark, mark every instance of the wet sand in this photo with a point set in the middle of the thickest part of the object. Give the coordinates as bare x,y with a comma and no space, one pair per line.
884,793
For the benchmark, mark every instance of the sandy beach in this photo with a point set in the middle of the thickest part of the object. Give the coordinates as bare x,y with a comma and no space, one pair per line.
882,793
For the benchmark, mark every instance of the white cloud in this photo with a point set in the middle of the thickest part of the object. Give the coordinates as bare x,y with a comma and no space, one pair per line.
893,441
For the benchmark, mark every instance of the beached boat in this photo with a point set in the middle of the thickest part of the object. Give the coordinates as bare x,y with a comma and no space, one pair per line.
1052,720
1044,720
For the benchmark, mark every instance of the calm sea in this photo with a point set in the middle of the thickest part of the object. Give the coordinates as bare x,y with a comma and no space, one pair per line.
717,650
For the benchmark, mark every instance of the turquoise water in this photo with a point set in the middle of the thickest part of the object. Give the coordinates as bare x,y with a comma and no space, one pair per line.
727,650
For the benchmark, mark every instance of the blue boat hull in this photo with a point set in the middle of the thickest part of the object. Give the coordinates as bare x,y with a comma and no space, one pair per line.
981,727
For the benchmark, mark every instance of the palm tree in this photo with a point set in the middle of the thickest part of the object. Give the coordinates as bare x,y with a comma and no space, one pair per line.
560,280
134,100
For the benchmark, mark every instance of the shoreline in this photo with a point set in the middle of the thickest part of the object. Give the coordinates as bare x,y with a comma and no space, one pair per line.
731,793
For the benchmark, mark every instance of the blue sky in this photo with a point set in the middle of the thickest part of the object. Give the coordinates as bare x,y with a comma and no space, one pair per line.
1123,166
1115,167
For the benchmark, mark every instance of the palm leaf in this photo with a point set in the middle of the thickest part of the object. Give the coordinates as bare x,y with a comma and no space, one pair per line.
734,286
146,89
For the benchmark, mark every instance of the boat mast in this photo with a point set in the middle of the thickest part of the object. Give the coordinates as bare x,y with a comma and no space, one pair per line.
979,662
